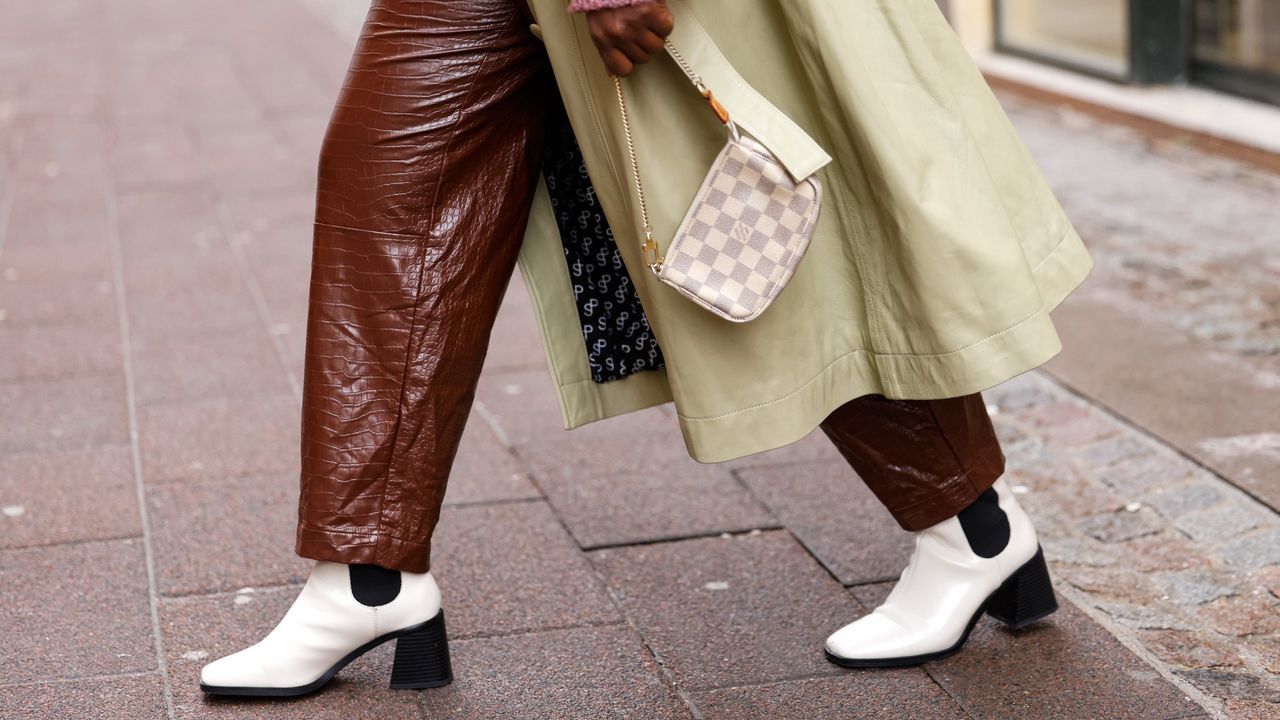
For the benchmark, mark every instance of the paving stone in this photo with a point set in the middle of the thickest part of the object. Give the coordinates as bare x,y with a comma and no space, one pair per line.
200,629
84,608
58,497
172,311
739,610
58,209
1115,581
1266,649
1065,666
515,343
1018,393
1255,550
1143,474
1238,709
1033,456
512,568
1243,614
592,672
1067,422
1122,525
646,442
1195,587
1226,683
831,511
1178,501
220,534
241,364
484,470
867,695
66,269
1077,551
1269,578
683,499
1189,649
64,413
1148,614
870,596
1007,431
523,404
33,301
1061,492
1110,451
48,352
219,437
131,697
1166,550
1219,523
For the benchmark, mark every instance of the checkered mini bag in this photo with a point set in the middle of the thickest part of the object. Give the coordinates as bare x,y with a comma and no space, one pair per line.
746,230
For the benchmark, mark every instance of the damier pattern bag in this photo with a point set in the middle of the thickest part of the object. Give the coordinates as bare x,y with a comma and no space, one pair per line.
746,230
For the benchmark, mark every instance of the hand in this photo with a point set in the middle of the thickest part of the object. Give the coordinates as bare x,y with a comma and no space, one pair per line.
628,35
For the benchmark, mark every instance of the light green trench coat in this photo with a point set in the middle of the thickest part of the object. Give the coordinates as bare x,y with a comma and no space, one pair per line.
938,255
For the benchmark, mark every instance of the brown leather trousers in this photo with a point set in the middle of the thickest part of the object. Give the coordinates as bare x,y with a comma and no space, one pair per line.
426,179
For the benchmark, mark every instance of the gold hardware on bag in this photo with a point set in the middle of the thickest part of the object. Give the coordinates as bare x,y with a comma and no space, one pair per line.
649,249
717,107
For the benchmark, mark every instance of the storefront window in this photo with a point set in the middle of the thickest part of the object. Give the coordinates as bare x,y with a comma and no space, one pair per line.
1236,46
1240,33
1091,34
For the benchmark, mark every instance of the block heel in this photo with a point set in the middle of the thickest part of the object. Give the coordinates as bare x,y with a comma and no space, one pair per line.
1026,596
422,657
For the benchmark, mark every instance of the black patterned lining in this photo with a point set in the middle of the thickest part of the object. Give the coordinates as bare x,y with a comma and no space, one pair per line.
617,334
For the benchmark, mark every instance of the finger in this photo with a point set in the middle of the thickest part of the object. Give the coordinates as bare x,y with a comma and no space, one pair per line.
616,62
662,21
636,53
650,42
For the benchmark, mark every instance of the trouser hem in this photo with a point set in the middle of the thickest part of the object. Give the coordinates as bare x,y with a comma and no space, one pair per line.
345,546
954,496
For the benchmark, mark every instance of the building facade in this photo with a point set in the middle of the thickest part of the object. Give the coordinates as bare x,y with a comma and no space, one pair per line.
1230,45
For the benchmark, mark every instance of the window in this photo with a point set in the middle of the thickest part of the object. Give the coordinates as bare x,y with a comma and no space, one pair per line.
1236,46
1092,35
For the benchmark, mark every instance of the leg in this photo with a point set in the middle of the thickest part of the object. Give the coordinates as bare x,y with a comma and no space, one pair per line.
936,465
426,178
925,460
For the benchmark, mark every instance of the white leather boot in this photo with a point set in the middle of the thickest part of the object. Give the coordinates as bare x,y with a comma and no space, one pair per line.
332,623
955,574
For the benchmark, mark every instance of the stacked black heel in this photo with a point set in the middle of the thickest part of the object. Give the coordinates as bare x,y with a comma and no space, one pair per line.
422,657
1026,596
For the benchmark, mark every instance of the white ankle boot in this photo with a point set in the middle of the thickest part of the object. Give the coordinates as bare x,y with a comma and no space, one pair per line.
946,587
328,627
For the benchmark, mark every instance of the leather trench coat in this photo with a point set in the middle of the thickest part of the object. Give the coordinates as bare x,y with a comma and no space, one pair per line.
939,253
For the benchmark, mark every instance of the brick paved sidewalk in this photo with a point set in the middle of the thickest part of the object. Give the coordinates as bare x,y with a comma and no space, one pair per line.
156,184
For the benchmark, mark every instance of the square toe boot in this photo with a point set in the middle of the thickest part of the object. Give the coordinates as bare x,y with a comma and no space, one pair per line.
955,574
329,625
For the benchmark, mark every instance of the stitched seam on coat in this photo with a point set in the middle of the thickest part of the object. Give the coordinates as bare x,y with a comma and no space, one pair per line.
417,301
806,384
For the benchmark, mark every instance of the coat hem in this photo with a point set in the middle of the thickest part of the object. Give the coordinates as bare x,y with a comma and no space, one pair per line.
1023,346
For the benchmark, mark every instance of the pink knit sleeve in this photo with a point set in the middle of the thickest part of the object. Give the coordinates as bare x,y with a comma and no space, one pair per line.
585,5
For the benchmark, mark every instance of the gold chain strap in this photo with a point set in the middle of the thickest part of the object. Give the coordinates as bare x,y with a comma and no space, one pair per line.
649,248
